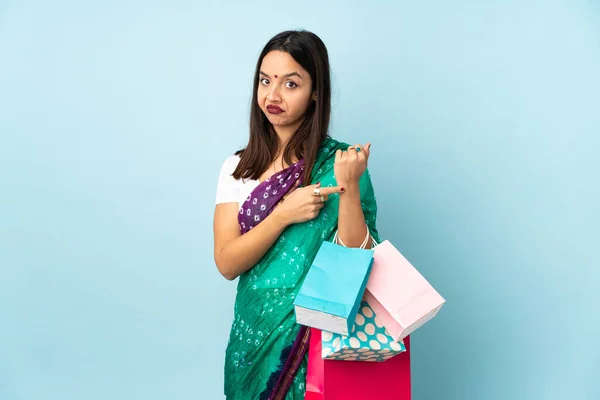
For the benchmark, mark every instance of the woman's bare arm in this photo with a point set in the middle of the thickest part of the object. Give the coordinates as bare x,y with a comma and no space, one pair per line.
349,168
352,227
236,253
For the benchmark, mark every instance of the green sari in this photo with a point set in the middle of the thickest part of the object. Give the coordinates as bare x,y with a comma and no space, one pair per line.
264,324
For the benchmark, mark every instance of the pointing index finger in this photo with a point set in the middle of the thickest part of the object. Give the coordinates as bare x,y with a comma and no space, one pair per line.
330,190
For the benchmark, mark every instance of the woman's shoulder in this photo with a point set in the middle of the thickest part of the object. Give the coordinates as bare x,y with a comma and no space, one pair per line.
229,165
328,149
331,143
231,161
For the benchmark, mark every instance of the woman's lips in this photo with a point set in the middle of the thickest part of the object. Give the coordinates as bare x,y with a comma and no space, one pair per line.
274,109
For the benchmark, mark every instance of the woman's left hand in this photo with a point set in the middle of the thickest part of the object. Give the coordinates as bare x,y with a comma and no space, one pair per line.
350,165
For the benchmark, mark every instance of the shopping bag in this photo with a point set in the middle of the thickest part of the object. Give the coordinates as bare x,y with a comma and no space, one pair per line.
357,380
333,288
399,295
368,341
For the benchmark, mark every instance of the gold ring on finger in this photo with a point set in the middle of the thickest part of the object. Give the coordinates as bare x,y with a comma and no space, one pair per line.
322,199
317,192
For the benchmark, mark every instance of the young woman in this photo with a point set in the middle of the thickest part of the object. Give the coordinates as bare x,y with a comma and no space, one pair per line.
291,188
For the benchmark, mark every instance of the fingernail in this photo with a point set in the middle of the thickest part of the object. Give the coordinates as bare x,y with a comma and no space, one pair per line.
318,183
342,190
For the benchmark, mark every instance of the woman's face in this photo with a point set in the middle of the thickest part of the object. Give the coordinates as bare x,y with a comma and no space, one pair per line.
284,89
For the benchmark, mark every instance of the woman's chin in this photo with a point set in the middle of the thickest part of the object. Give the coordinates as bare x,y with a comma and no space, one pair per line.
277,121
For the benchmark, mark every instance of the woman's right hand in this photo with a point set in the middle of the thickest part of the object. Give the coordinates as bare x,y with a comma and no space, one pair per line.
302,205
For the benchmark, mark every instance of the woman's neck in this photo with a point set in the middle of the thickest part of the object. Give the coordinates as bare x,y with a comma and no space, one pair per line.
284,133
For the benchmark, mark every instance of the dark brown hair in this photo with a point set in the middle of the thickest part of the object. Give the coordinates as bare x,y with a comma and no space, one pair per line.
310,52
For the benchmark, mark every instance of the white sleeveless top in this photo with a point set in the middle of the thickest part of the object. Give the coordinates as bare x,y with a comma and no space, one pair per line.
230,190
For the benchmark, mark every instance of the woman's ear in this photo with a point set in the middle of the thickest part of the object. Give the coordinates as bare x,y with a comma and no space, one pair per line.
314,97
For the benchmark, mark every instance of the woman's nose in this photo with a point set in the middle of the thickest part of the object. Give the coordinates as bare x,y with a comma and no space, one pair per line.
273,94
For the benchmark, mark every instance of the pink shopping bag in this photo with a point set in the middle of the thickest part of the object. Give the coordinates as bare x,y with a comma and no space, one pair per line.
356,380
398,294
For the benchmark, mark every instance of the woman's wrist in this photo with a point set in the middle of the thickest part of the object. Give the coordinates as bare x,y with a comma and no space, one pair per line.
350,186
279,218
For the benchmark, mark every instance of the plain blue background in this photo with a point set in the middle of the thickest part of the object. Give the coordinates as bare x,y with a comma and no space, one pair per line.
115,117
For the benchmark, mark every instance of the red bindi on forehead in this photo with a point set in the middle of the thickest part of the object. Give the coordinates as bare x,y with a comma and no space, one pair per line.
275,76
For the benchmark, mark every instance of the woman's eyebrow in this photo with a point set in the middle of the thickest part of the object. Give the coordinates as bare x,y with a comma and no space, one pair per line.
284,76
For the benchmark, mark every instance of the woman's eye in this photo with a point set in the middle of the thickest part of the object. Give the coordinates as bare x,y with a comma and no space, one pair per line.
291,85
264,81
